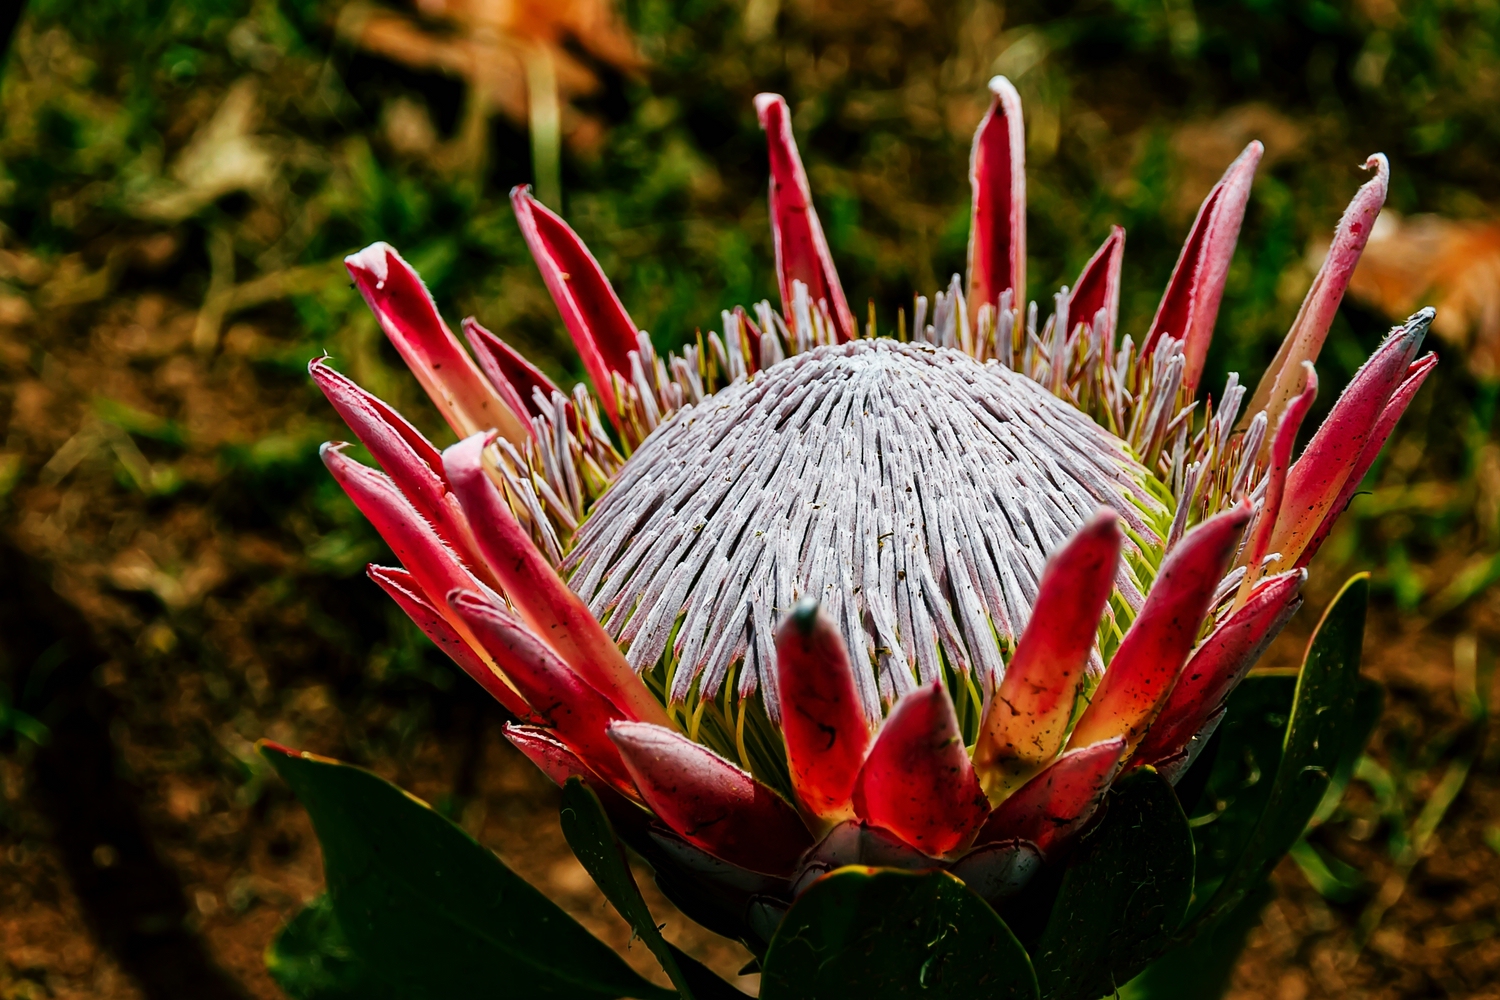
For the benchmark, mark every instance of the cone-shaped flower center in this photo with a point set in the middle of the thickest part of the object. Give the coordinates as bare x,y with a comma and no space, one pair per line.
915,491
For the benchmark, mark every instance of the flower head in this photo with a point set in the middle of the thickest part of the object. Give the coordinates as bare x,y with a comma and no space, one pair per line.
804,595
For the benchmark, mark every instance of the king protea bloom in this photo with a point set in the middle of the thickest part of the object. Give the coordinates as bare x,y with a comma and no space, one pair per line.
811,593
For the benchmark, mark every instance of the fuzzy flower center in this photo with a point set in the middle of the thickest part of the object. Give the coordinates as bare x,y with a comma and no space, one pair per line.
913,490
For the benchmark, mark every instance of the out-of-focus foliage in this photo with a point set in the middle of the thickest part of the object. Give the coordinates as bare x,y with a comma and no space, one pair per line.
258,149
1125,103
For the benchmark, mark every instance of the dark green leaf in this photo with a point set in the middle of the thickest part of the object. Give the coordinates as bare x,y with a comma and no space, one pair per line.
311,960
1325,717
1123,895
1201,970
874,933
592,837
701,904
1243,772
434,914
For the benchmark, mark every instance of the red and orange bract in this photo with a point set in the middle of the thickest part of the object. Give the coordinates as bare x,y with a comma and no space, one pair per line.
825,728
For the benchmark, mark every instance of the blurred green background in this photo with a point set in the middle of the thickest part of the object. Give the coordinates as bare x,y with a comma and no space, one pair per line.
179,180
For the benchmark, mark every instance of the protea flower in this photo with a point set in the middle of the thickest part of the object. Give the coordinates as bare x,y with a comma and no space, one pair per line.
809,593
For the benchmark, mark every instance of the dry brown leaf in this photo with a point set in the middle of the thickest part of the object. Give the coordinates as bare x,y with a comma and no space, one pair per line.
223,156
488,43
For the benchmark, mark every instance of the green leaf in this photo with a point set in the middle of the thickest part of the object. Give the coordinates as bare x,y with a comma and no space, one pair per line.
875,933
430,911
1330,878
592,837
1243,771
311,960
1201,970
1325,717
1123,895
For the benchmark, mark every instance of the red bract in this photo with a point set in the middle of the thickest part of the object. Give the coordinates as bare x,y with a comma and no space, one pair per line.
1316,480
1098,285
552,610
709,802
1191,303
1281,459
1050,808
1027,720
549,754
577,713
1416,374
1145,666
596,320
801,248
1282,379
508,369
917,781
403,589
997,180
414,465
410,319
434,566
826,731
1216,666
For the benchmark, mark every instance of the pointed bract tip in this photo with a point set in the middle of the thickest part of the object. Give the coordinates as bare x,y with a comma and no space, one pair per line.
523,202
1419,322
549,754
764,103
332,451
373,259
1001,87
805,615
1371,194
1104,521
1248,159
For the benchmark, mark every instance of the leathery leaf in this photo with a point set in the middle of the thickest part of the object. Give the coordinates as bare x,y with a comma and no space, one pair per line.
878,933
1123,895
592,836
429,911
1246,753
1326,719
